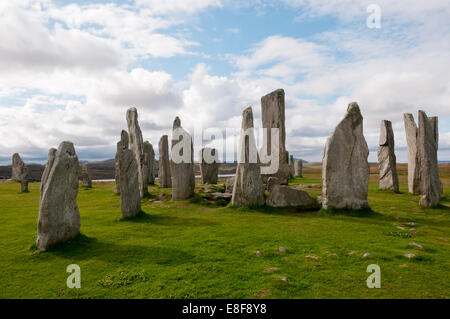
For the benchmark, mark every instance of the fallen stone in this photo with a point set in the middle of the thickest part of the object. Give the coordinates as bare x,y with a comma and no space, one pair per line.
345,169
59,217
226,196
386,158
284,196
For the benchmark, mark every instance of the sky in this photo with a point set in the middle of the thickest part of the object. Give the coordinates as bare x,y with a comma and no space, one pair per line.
69,70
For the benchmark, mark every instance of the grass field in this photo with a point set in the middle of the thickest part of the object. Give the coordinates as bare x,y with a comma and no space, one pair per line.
204,249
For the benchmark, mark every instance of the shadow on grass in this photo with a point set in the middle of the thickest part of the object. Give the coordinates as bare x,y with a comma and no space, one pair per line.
365,212
167,220
294,211
83,247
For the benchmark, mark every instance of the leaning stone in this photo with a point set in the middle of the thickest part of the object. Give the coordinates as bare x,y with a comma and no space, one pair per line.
17,167
209,165
150,156
271,182
430,183
86,176
413,165
136,145
248,189
386,158
124,139
130,199
298,168
284,196
182,162
345,169
272,114
164,176
229,185
59,217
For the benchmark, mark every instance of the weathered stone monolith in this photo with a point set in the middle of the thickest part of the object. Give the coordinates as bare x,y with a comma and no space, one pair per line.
411,142
271,182
298,168
272,114
59,217
182,162
24,179
386,158
291,166
248,187
284,196
164,174
124,139
86,180
130,199
430,183
209,165
345,169
17,167
136,145
148,149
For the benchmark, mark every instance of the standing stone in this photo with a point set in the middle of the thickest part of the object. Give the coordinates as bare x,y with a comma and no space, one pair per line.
150,154
209,165
229,185
411,141
164,175
291,166
59,218
124,140
271,182
182,162
248,187
130,199
386,158
272,113
17,167
298,168
430,184
136,145
345,169
86,176
24,179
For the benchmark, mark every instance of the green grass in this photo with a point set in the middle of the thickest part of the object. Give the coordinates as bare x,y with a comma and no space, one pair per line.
203,249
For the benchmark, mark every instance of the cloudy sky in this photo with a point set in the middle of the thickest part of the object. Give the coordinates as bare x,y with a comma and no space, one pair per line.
70,69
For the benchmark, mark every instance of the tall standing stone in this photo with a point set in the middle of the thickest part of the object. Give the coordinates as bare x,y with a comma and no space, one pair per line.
430,184
209,165
24,179
17,167
386,158
164,174
130,199
148,149
124,139
411,141
248,187
291,166
345,169
86,176
272,113
136,145
59,217
182,162
298,168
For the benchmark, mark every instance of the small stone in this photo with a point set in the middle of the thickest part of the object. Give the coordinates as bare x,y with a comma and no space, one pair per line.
400,227
352,253
367,255
282,250
416,245
409,256
413,230
334,255
270,269
312,257
259,253
411,223
284,279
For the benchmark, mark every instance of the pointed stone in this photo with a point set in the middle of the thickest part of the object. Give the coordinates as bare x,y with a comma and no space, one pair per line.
86,176
248,187
150,154
17,167
209,165
345,169
272,114
298,168
124,139
430,183
164,175
182,162
136,145
59,217
130,199
386,158
411,141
